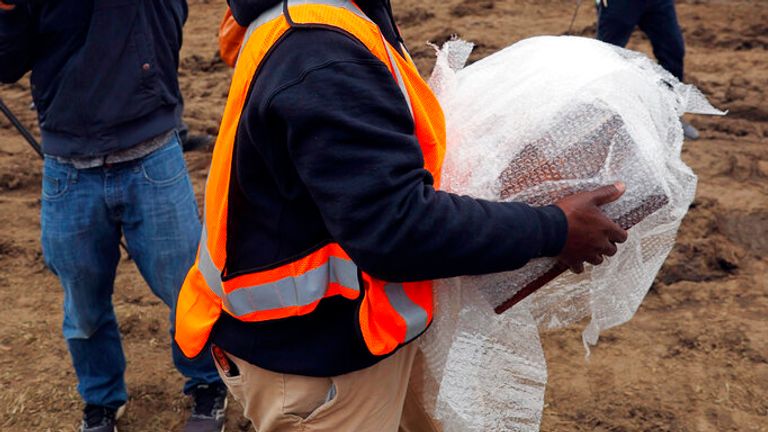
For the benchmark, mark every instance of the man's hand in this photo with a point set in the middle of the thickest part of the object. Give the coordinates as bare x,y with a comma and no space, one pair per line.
590,233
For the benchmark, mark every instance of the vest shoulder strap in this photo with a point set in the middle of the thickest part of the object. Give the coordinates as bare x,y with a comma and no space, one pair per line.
283,9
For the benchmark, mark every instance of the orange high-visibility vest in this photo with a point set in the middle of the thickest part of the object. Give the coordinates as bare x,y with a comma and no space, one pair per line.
231,35
390,314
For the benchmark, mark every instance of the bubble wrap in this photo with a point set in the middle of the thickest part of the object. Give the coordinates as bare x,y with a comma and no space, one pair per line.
541,119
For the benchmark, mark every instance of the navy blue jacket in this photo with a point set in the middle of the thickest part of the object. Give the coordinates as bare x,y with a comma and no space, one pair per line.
104,72
325,151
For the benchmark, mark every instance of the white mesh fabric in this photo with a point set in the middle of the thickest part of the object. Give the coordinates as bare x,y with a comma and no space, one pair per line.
535,122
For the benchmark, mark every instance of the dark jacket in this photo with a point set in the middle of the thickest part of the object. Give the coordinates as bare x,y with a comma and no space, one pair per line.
325,151
103,71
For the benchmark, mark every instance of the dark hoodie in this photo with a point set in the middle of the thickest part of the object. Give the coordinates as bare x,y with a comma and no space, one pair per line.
103,71
325,151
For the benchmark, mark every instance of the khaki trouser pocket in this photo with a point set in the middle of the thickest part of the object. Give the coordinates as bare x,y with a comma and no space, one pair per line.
304,397
233,382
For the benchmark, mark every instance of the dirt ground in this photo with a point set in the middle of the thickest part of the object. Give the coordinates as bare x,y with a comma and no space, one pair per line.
694,358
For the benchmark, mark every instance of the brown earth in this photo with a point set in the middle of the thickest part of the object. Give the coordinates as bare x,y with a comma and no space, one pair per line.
695,357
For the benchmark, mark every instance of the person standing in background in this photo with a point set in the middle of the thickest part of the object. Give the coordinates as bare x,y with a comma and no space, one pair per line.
617,19
104,81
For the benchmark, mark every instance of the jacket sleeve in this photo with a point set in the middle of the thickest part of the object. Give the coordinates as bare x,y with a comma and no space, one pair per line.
351,137
16,43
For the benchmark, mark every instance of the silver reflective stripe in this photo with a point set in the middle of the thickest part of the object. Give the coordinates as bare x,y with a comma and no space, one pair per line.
398,76
290,291
268,15
294,291
211,274
414,315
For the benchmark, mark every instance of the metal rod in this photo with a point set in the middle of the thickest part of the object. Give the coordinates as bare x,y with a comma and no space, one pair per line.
20,127
573,19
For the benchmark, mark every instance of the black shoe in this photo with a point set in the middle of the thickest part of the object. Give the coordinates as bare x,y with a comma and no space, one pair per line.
209,401
100,419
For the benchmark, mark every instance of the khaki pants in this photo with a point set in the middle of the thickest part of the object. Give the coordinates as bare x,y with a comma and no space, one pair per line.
376,399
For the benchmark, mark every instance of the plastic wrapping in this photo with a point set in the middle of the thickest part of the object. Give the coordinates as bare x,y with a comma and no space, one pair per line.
544,118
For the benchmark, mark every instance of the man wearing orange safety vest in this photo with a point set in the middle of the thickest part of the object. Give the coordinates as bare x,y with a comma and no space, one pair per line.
324,223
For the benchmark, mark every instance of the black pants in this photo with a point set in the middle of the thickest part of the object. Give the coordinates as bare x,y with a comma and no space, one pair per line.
656,18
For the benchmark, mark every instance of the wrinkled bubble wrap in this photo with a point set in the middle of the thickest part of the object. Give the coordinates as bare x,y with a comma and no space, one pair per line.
541,119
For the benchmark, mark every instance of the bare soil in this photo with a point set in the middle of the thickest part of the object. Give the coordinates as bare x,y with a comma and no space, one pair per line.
694,358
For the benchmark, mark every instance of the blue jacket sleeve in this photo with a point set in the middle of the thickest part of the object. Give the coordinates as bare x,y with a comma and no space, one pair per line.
351,137
16,43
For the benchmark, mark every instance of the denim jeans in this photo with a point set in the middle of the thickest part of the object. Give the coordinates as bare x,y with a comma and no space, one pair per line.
656,18
149,200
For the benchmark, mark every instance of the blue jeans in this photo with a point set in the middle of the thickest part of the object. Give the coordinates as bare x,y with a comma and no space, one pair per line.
656,18
149,200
